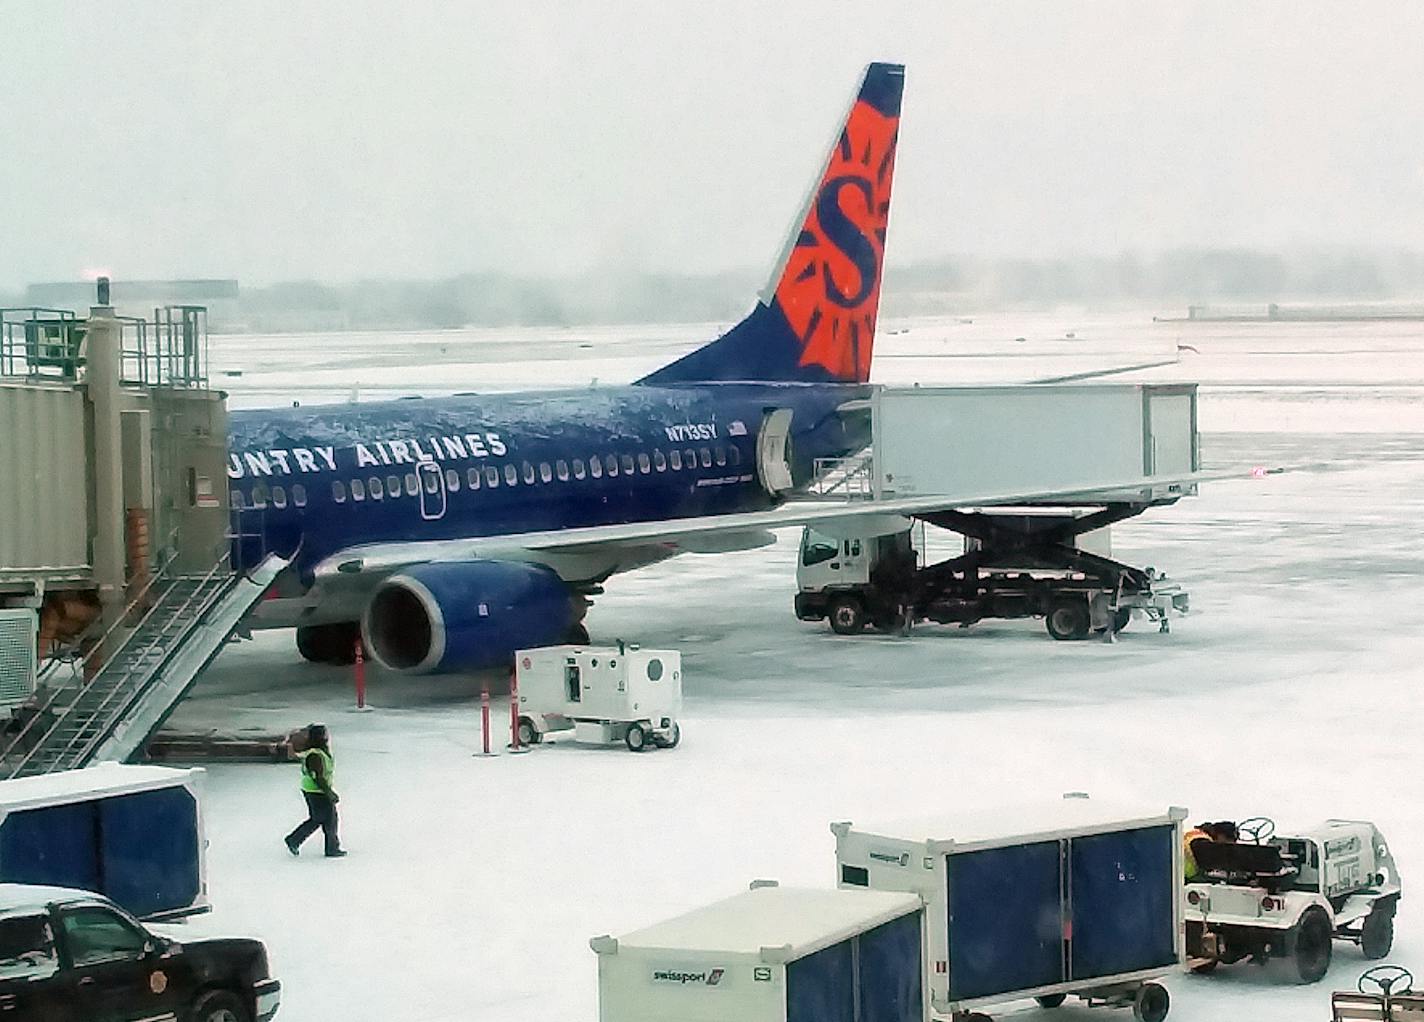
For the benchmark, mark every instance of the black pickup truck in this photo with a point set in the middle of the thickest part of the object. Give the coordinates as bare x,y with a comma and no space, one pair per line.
72,956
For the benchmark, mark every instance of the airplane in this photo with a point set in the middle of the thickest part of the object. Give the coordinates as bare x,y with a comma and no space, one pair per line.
447,533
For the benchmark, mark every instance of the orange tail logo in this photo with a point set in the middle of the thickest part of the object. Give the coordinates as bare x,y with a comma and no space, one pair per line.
830,288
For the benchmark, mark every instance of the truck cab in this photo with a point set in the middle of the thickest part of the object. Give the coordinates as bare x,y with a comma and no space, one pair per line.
73,956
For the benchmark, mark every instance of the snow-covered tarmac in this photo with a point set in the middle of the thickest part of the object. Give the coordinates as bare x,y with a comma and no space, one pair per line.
473,884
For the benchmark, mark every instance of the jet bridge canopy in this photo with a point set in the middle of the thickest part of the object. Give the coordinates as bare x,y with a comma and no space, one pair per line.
960,441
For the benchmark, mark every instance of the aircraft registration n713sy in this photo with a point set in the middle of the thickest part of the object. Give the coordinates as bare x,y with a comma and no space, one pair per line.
451,532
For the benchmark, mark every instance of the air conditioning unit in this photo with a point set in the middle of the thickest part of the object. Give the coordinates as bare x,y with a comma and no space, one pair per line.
19,628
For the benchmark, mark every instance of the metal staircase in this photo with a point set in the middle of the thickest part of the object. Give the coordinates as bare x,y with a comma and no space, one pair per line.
183,622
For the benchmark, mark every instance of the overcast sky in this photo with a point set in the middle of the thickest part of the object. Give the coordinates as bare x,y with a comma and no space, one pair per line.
339,141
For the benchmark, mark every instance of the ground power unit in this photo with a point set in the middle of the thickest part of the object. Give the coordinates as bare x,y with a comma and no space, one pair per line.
1066,898
602,693
771,954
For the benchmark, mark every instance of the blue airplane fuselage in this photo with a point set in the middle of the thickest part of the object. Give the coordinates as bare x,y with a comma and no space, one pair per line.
320,480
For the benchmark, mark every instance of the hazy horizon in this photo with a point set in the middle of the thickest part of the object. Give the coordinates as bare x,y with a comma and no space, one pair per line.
274,142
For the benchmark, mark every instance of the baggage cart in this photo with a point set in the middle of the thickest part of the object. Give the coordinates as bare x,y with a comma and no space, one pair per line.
1066,898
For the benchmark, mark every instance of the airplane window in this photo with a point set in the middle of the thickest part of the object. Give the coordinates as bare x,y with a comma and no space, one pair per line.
659,462
528,473
452,480
562,468
492,475
473,478
706,458
690,456
595,467
644,465
299,495
675,459
392,486
546,474
358,490
235,498
279,497
376,488
627,464
611,464
721,453
734,454
338,491
511,475
412,484
432,482
578,468
259,495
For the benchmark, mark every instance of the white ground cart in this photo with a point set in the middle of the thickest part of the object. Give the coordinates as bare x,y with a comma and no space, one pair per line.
1272,896
602,693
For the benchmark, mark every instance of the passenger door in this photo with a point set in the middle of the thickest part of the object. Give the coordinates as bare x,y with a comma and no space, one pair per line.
115,977
773,460
431,478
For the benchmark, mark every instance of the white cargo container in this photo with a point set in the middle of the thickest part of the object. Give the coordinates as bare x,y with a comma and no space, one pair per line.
979,442
1069,897
603,693
771,954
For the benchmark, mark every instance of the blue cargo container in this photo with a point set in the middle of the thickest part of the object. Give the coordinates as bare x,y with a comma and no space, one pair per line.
1071,897
131,833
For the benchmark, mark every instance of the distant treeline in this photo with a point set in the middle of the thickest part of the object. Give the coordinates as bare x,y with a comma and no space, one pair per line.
1165,282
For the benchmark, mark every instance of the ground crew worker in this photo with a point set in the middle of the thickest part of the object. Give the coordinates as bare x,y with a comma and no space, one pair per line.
318,774
1201,832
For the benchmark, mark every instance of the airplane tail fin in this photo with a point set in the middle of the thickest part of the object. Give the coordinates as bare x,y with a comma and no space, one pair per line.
815,322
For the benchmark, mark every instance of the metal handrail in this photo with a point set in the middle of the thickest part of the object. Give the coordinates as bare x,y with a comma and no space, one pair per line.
103,638
210,596
832,474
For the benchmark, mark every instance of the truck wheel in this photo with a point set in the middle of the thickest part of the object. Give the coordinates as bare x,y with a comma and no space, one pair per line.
218,1006
1151,1003
1051,1000
528,733
636,739
1121,619
1377,933
847,615
670,742
1312,945
1068,620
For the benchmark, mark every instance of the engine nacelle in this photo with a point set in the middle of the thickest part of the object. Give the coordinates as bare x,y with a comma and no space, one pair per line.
464,615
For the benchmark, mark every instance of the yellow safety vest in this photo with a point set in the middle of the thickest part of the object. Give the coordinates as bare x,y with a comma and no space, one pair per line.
309,782
1188,859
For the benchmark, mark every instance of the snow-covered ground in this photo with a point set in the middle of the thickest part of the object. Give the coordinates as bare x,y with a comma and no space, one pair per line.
1293,690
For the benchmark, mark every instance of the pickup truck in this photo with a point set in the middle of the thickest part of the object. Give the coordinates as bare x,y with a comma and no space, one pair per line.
73,956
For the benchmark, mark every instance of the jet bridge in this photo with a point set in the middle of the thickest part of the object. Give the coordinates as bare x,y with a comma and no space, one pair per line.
1031,477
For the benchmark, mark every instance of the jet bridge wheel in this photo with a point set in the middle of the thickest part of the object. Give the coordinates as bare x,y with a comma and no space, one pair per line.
1068,619
1051,1000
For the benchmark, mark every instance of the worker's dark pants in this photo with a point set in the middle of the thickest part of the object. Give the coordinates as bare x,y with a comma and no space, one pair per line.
321,813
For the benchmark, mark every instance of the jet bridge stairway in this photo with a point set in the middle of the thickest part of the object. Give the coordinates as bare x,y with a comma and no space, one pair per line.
185,620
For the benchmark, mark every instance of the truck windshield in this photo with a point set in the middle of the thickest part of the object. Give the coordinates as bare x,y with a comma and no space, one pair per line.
817,547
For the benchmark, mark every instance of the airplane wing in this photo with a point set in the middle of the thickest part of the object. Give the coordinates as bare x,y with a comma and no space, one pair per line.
717,533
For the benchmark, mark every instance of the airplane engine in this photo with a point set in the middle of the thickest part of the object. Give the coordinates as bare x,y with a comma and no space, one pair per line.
465,615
